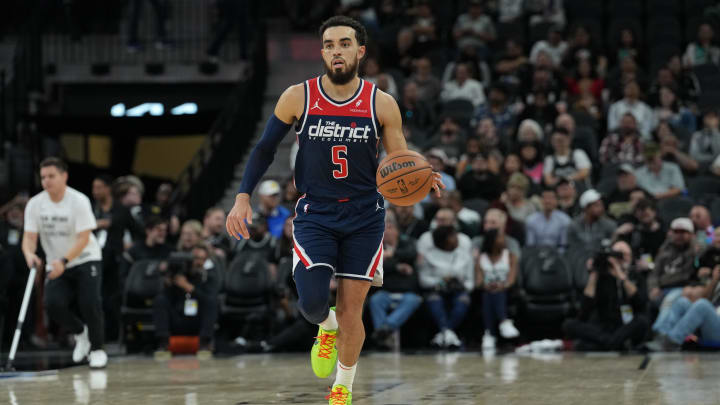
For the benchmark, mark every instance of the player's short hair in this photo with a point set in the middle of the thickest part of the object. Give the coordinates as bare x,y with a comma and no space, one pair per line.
343,21
55,162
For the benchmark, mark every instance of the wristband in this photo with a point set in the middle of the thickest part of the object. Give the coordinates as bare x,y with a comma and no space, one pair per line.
64,261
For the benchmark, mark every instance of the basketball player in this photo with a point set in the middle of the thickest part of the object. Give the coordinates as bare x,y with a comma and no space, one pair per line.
63,219
339,220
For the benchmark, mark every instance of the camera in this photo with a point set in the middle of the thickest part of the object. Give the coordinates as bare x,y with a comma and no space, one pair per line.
179,263
601,260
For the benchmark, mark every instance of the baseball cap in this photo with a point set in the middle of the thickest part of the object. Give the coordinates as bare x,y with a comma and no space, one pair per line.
269,187
438,153
626,168
682,224
589,197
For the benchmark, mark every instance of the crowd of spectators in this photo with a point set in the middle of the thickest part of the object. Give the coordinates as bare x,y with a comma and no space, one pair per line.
548,137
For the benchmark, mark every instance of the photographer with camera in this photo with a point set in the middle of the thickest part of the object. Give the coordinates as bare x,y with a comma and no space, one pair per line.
188,302
613,304
445,268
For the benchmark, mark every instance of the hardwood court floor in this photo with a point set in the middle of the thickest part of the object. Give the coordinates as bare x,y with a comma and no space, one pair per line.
448,378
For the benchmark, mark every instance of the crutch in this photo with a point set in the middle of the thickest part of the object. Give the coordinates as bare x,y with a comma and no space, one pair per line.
21,318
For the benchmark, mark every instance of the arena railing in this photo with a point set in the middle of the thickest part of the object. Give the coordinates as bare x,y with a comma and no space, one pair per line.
203,182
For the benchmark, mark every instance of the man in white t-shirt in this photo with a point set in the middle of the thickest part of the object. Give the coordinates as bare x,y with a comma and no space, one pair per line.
64,220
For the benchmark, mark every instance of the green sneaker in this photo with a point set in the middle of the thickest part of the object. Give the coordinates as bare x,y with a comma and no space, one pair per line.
323,355
339,395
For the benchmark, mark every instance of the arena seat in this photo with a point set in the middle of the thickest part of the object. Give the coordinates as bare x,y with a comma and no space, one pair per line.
674,208
546,285
143,284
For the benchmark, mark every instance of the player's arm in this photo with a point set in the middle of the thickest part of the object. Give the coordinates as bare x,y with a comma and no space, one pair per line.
29,247
288,108
391,121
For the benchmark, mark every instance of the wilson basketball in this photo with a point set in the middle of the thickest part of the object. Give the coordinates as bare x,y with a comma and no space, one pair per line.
404,177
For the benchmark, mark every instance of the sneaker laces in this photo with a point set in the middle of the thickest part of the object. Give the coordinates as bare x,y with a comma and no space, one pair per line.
338,397
327,344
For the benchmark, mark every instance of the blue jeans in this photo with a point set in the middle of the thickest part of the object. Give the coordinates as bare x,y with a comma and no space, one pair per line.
685,317
494,309
405,306
459,304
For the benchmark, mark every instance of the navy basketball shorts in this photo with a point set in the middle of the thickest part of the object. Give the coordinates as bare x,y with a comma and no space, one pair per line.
344,235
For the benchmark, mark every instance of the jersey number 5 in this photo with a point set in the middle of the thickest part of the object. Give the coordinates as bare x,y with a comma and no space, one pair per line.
341,161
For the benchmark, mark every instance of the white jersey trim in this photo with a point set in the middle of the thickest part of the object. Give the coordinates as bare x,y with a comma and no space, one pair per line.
322,93
372,111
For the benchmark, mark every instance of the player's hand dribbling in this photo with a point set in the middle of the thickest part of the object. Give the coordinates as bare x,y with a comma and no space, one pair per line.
240,215
438,184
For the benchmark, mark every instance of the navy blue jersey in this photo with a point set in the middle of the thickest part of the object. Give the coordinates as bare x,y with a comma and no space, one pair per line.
338,143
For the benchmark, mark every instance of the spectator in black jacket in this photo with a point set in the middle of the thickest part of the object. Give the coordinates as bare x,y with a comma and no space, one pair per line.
153,247
188,301
400,285
409,224
480,182
613,303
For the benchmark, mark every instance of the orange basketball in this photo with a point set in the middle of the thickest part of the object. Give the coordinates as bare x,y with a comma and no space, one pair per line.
404,177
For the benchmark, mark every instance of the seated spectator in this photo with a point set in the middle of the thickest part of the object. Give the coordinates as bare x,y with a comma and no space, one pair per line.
494,218
675,262
568,198
696,309
670,149
625,72
472,148
566,162
661,179
492,143
704,229
474,28
702,51
161,206
416,114
374,74
424,27
622,146
128,190
644,231
585,80
631,103
546,12
664,78
438,159
188,302
480,182
446,273
496,274
612,307
620,200
468,220
592,227
152,248
499,110
270,208
190,235
627,46
670,110
531,157
408,223
705,144
463,87
549,226
554,46
539,108
400,283
479,68
512,64
450,139
514,198
689,85
428,86
215,234
582,46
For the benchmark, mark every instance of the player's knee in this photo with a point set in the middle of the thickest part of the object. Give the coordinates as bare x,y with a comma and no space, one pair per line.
314,308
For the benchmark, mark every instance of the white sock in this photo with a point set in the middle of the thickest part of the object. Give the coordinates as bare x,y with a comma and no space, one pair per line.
330,323
345,375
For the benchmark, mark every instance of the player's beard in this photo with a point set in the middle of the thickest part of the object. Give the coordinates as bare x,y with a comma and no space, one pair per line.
342,76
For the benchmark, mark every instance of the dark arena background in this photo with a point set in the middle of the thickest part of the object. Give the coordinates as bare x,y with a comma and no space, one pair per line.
573,257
